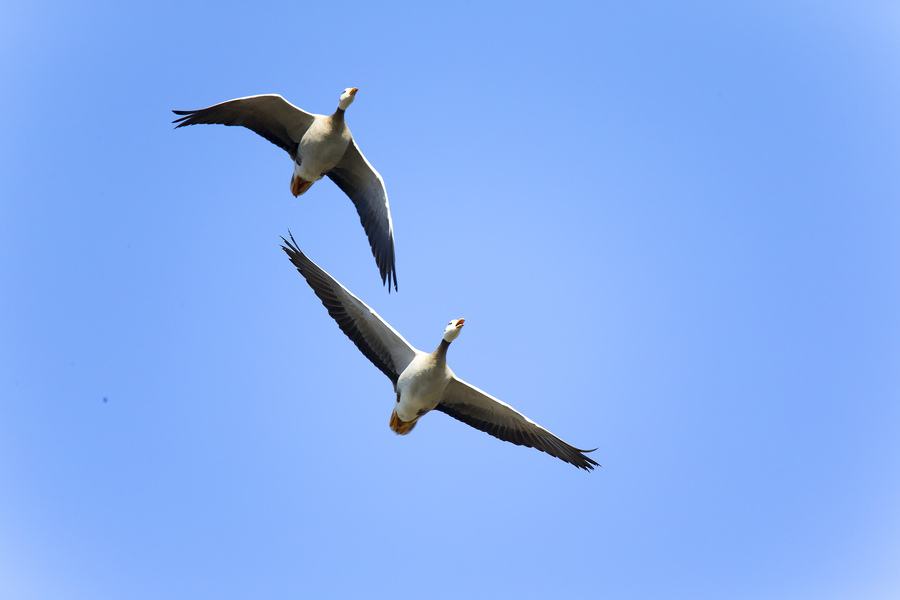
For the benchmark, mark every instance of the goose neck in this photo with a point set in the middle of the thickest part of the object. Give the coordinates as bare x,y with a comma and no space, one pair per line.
441,351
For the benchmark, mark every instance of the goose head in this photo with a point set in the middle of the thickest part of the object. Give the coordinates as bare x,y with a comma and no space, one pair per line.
347,97
451,331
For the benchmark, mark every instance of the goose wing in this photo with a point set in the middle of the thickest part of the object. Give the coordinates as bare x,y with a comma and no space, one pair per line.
374,337
474,407
269,115
364,186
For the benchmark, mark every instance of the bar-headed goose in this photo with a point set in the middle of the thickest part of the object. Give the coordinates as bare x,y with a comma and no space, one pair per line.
319,145
422,380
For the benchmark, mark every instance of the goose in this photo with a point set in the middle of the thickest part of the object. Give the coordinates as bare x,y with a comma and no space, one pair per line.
319,145
422,380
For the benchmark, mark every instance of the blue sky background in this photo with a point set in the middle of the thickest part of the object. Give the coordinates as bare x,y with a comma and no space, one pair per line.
672,228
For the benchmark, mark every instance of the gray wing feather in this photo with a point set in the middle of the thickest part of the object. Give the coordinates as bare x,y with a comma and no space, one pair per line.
374,337
475,407
269,115
365,187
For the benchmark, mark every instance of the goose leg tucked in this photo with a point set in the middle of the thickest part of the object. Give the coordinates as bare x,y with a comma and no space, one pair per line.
399,426
299,185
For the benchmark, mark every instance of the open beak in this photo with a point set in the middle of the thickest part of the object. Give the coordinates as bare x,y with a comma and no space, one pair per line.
460,323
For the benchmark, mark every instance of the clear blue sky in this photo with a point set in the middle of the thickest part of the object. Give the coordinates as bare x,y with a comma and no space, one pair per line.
672,229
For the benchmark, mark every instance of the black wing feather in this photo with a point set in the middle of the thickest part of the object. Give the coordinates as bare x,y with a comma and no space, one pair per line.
268,115
473,407
333,297
365,188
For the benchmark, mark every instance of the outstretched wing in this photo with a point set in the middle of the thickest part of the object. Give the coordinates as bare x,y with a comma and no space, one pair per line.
374,337
365,187
269,115
474,407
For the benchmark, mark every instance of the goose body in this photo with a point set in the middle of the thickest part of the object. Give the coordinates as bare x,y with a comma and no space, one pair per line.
319,146
423,381
320,149
422,384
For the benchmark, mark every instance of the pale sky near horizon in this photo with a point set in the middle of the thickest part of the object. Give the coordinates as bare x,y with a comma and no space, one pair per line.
672,229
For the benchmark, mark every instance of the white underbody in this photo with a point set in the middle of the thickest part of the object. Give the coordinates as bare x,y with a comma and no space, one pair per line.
421,386
321,148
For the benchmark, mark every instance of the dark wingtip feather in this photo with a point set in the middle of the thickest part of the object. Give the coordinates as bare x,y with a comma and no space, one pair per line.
390,272
389,279
589,463
388,269
182,121
585,462
290,247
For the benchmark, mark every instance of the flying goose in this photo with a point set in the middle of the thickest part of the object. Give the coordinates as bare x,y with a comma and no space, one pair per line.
319,145
422,380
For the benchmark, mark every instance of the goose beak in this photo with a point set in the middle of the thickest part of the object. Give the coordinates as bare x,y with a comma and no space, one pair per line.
460,323
353,91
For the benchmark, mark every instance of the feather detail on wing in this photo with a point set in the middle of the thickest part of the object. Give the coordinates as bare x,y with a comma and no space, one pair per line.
269,115
474,407
365,187
374,337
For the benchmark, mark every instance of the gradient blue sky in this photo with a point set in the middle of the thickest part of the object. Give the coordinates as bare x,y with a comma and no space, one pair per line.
672,228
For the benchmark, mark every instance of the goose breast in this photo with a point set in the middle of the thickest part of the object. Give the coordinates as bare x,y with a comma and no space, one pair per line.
321,148
421,386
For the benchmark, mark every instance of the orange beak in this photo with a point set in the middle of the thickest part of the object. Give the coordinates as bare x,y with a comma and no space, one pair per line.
460,323
353,91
